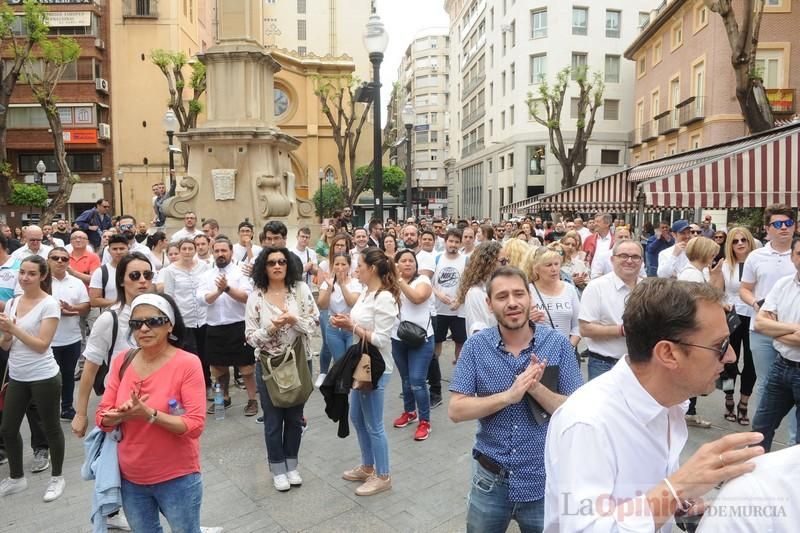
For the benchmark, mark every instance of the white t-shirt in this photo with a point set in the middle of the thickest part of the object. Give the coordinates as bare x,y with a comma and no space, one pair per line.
99,341
25,364
419,314
337,303
692,273
73,291
307,255
184,233
476,311
240,252
764,267
563,308
732,285
425,261
446,279
134,247
96,282
603,302
784,301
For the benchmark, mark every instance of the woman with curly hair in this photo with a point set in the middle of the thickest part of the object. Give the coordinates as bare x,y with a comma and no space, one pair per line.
486,257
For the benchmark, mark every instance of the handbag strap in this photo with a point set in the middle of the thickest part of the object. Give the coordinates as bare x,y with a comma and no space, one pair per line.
5,375
539,294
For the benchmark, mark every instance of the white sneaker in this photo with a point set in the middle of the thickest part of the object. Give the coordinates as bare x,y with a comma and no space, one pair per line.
118,521
211,529
294,478
320,380
12,486
55,488
281,482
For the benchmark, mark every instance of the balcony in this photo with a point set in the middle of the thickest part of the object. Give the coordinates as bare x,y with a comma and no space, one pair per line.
635,137
472,148
470,23
668,122
691,110
140,9
473,117
781,101
648,131
470,54
472,84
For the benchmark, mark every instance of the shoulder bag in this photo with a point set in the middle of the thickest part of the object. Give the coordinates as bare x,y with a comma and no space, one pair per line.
286,376
99,384
362,375
544,304
411,333
3,387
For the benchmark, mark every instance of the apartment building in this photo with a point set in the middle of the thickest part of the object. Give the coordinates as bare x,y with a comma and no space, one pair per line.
500,51
423,81
684,95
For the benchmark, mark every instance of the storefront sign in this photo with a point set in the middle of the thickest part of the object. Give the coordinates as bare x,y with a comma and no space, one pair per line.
62,19
80,136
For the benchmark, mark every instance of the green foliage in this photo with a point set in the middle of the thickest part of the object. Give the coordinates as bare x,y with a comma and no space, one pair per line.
394,179
332,199
28,194
751,218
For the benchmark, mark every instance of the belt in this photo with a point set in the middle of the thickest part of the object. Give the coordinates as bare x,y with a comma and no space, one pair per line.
789,362
610,360
489,464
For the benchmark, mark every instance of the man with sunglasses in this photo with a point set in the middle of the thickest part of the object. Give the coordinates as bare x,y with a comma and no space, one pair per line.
33,244
762,270
127,228
95,221
102,284
673,259
613,449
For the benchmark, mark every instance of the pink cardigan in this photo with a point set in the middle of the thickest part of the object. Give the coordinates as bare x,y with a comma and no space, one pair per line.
150,454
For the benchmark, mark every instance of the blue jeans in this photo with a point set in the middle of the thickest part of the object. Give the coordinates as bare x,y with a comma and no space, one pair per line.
283,429
412,364
339,340
366,413
597,367
324,352
781,394
178,500
764,354
490,511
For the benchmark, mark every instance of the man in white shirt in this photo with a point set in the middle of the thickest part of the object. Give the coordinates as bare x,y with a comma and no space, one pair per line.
306,255
762,270
468,241
599,244
439,232
602,305
673,259
426,263
189,229
210,228
779,318
612,455
202,244
127,228
245,251
33,244
102,285
224,289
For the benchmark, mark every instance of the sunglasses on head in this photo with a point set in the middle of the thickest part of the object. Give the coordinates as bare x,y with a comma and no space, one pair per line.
59,258
276,262
778,224
136,275
150,322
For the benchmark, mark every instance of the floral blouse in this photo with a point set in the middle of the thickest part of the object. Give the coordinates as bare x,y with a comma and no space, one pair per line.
260,312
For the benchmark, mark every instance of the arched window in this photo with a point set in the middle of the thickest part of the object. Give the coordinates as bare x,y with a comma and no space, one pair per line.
330,175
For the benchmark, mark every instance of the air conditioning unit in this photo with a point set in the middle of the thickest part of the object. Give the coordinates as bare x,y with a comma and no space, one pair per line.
103,131
101,85
100,44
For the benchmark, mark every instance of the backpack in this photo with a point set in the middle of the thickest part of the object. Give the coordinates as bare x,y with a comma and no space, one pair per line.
100,378
104,281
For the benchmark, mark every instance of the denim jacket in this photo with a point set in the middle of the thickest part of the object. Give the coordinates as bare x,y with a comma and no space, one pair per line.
102,466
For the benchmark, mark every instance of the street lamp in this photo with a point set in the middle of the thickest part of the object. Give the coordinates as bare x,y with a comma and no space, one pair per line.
419,199
375,40
321,177
40,170
120,177
407,115
170,124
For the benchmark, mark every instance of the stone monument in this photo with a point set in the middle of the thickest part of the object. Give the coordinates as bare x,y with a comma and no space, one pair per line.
239,165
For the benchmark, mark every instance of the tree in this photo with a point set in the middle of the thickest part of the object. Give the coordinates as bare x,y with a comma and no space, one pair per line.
332,199
394,179
743,40
19,47
28,194
172,65
43,75
336,97
590,97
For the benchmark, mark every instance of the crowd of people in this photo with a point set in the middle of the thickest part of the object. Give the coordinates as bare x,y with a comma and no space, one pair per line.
159,325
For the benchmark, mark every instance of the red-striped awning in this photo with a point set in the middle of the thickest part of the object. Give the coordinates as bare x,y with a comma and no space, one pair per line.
612,193
753,172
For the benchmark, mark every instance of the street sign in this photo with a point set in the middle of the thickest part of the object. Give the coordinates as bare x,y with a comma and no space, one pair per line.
422,127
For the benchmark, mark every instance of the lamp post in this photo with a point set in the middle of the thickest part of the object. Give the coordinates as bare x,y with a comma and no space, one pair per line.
321,177
170,124
419,200
375,40
408,119
120,177
40,171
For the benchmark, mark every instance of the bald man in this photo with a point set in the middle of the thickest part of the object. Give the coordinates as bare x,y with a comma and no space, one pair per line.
33,244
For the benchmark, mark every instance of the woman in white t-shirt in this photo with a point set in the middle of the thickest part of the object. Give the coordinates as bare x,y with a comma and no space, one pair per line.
485,259
416,299
554,302
27,328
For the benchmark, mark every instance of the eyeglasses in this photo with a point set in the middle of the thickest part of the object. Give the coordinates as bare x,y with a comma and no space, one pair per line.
696,232
778,224
628,257
34,240
125,226
739,241
503,261
59,258
150,322
276,262
137,275
721,351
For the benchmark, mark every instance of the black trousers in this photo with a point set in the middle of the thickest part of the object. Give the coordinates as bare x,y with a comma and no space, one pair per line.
38,437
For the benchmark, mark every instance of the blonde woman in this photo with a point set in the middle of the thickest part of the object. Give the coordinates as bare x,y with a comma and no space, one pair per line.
738,245
516,250
556,302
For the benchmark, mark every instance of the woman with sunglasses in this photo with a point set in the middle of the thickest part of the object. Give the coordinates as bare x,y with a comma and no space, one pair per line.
279,311
159,404
574,259
27,328
73,299
485,259
323,246
738,246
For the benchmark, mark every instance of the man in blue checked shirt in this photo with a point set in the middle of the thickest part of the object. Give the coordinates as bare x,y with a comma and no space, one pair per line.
497,368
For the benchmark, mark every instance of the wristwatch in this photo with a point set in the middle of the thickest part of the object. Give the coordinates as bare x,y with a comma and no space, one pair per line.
227,289
153,417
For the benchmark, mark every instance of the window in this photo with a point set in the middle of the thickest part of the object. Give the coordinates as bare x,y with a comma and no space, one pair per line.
511,116
491,55
491,19
611,110
513,33
609,157
700,17
502,120
579,63
580,20
511,160
655,103
644,19
613,18
503,81
538,68
491,127
491,93
674,92
302,50
434,118
695,142
657,52
653,154
699,79
78,162
538,23
502,162
574,107
421,137
301,7
504,43
641,66
422,118
536,159
672,148
301,30
769,65
513,76
676,35
612,69
434,136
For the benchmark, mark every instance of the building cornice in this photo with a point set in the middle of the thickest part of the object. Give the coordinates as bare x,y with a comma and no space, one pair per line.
654,26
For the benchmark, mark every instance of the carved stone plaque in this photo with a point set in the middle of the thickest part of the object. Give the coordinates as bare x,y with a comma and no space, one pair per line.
224,180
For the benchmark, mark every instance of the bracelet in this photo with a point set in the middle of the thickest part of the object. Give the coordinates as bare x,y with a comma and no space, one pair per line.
684,505
153,417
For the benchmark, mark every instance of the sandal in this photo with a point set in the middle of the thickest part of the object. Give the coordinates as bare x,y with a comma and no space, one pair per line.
730,416
742,414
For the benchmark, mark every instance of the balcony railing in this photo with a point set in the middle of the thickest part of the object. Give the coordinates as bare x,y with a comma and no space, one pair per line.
473,117
472,148
472,84
635,137
691,110
472,52
781,101
668,121
140,8
648,131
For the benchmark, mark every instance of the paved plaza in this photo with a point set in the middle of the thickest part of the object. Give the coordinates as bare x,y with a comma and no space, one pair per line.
430,479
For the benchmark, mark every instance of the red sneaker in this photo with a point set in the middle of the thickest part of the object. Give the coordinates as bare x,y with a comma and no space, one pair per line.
423,430
405,419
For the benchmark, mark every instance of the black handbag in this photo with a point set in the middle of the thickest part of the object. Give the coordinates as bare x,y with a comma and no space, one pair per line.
733,320
412,334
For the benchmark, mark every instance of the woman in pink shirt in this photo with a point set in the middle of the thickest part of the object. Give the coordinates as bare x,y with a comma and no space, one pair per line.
157,393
